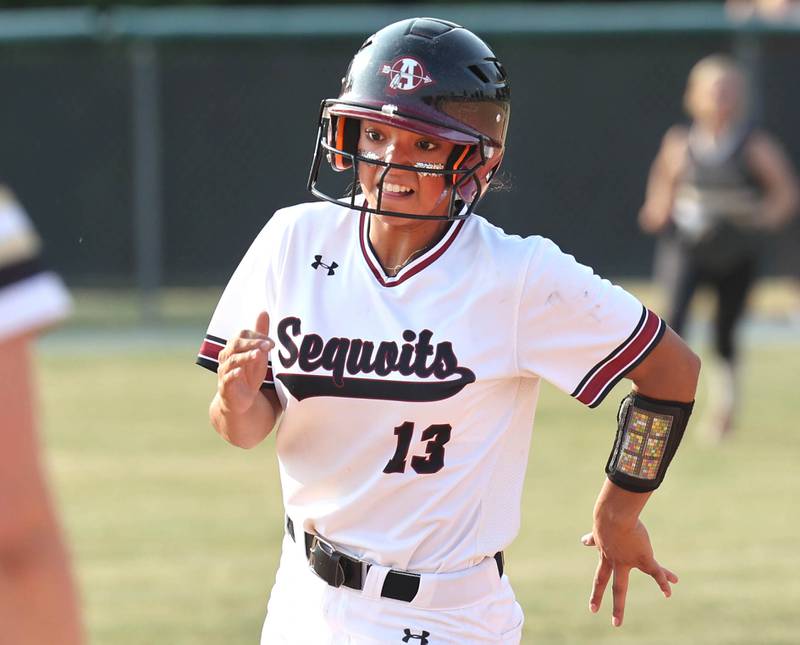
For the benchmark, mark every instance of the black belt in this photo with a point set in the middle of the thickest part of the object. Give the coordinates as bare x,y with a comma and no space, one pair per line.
338,569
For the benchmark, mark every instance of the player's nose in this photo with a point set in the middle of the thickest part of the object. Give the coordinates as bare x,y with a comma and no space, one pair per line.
399,152
391,154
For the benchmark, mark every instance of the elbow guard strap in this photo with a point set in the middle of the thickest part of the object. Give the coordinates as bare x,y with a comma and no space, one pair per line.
648,434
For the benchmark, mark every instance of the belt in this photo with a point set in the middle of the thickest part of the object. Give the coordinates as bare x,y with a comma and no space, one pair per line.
338,569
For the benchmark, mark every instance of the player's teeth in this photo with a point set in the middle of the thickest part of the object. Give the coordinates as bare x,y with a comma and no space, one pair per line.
395,188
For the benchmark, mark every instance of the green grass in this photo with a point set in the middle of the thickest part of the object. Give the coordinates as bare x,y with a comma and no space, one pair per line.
173,531
176,534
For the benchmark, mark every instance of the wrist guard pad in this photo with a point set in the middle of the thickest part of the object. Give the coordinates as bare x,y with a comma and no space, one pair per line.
648,434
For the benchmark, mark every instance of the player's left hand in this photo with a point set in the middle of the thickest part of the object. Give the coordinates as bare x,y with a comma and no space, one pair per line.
623,548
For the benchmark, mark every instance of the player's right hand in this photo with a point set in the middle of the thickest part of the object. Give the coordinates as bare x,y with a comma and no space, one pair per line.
621,550
243,366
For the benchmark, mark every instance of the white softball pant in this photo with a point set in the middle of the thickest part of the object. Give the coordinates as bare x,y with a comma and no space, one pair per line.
473,606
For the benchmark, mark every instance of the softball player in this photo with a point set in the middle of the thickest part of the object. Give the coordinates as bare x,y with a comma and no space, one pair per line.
714,189
398,340
38,601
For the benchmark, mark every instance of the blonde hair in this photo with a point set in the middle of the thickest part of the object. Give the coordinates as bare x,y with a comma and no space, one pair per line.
711,67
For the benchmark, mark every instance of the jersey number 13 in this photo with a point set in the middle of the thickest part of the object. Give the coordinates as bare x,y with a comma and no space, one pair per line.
436,435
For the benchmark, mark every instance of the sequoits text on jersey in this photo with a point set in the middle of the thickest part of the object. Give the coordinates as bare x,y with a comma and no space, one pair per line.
342,356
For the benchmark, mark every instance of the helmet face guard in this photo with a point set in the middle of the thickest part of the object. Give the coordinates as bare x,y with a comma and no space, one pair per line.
430,77
337,144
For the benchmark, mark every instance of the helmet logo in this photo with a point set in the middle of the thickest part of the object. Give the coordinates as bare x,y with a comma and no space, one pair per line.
405,75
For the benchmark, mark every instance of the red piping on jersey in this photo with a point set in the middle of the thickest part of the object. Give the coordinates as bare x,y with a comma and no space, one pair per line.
417,265
607,373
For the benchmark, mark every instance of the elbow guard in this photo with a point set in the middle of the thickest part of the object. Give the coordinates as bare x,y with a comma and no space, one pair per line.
648,434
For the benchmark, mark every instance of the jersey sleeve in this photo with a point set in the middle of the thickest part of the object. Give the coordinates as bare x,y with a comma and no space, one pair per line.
250,290
577,330
31,297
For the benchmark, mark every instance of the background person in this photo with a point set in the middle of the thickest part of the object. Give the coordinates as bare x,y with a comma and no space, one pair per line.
38,600
714,189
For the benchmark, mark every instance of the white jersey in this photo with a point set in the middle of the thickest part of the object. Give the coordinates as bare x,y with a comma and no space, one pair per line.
30,297
409,400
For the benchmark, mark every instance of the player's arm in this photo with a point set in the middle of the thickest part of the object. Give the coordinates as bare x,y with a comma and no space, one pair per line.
669,374
663,180
38,600
241,412
773,169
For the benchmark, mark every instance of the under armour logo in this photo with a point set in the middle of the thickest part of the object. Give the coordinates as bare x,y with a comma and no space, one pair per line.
422,638
317,263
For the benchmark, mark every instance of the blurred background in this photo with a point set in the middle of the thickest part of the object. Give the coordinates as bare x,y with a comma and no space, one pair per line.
149,144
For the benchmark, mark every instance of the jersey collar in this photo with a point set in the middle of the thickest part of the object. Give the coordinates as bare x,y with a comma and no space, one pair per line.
412,268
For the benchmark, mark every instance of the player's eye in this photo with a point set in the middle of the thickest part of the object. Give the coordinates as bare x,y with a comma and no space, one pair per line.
373,135
426,146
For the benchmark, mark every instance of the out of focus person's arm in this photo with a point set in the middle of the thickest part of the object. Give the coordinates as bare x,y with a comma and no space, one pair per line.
662,181
774,170
38,601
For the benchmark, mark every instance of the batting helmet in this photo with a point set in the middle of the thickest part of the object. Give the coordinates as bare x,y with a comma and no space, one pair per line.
431,77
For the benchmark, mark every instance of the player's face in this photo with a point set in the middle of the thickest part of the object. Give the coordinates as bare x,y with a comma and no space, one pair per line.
404,191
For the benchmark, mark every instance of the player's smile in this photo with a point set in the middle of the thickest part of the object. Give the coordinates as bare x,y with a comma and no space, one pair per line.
396,190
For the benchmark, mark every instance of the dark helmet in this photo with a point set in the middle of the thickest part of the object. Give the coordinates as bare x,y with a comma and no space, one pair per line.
434,78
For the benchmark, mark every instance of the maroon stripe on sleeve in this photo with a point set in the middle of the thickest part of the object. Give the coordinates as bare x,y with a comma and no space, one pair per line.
208,357
210,349
610,370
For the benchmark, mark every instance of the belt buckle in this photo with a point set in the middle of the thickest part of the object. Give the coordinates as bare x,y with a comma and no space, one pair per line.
324,561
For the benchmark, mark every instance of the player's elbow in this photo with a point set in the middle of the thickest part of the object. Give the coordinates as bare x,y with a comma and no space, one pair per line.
694,364
683,373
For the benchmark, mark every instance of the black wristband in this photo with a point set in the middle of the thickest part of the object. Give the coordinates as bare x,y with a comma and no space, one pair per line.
648,434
